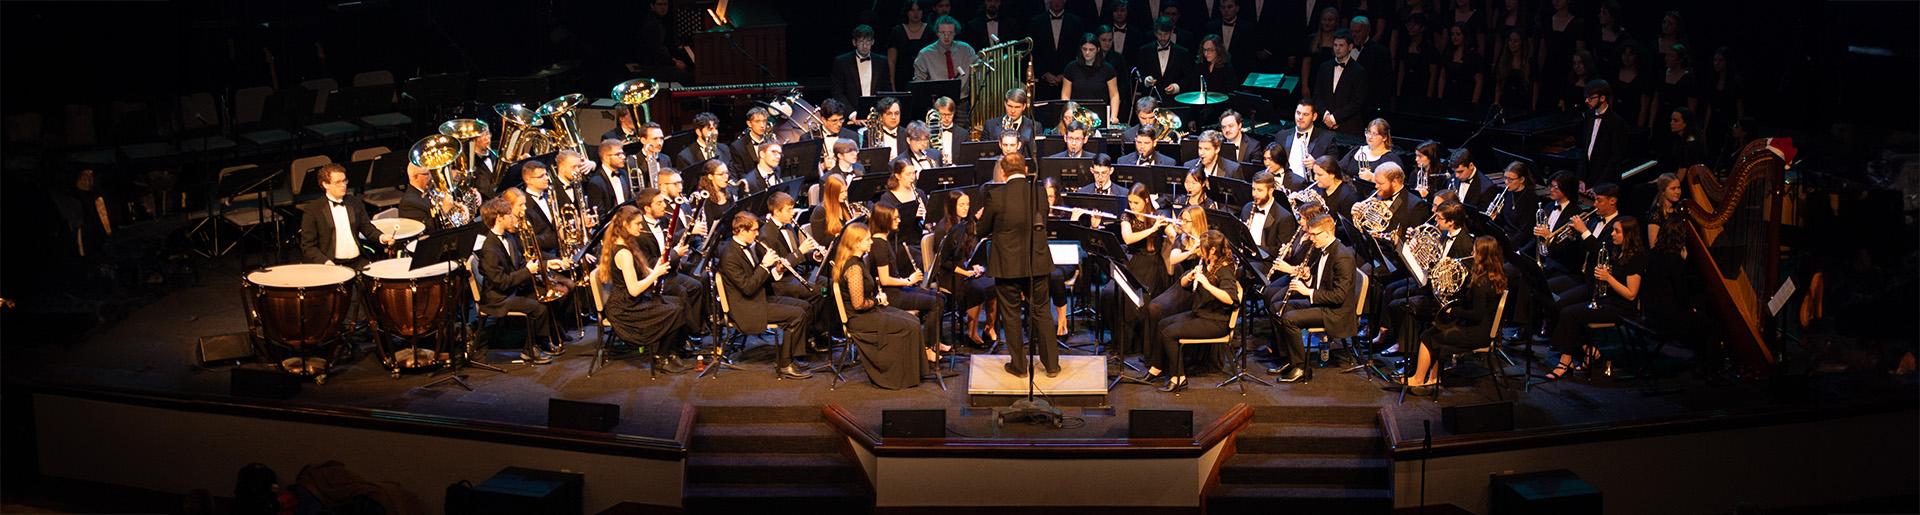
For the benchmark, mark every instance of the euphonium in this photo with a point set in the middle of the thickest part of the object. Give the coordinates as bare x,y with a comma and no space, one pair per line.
634,94
561,132
1086,117
520,132
437,154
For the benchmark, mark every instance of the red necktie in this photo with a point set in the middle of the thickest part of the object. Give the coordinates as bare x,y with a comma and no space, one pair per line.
951,71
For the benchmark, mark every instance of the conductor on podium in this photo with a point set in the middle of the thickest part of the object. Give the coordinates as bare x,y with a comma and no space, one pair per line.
1019,263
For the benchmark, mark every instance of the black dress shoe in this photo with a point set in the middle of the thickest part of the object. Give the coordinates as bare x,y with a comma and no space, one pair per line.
1053,371
556,349
789,372
535,357
1296,375
669,365
1016,371
1176,385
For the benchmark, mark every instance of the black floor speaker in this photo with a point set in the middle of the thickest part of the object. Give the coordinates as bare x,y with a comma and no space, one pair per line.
1556,492
516,491
1477,418
584,416
913,423
263,383
224,349
1159,423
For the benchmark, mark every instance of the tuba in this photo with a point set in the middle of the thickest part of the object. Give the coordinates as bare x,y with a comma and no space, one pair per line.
561,132
1169,124
519,132
437,154
1372,214
634,94
464,130
1086,117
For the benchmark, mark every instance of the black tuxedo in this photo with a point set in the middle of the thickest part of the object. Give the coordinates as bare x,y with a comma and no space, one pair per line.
1279,228
1094,17
1179,65
1248,149
755,183
1050,56
542,224
1517,218
616,133
1378,64
744,155
504,282
1331,306
1133,158
639,171
604,193
976,32
415,206
750,302
1113,189
317,232
1348,103
1020,262
690,157
1408,210
486,176
993,128
846,77
1228,168
1604,158
1319,142
1248,40
1480,192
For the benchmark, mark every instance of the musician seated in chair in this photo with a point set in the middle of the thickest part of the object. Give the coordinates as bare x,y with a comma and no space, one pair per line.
1210,161
1216,294
332,227
1328,301
749,290
414,203
1102,172
639,312
766,174
1075,137
536,190
920,149
1616,283
1016,120
610,184
706,142
1551,228
507,279
1590,232
744,152
890,257
660,239
1144,154
1465,323
1407,298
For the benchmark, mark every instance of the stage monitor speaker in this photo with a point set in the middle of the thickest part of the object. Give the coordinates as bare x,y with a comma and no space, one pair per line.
224,348
263,383
583,416
516,490
1157,423
1557,492
1477,418
913,423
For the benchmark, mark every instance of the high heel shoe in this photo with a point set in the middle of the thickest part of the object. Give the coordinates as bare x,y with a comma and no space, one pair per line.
1561,370
1175,385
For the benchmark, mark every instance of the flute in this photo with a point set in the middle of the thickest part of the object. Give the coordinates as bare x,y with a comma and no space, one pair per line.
1089,212
1150,216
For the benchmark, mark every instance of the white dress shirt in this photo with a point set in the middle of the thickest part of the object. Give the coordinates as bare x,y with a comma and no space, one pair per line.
1298,149
1258,223
864,64
618,184
344,247
1594,138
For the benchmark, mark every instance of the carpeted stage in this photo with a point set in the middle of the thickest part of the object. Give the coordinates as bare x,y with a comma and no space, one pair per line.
152,350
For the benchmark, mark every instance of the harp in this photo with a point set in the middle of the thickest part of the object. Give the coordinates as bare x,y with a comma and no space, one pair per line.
1734,244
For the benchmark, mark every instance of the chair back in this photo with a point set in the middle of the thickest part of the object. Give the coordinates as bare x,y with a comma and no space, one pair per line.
1499,315
839,304
298,170
720,294
473,278
250,104
599,293
1361,309
368,154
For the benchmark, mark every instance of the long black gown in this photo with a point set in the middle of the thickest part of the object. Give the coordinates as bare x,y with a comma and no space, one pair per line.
649,319
888,338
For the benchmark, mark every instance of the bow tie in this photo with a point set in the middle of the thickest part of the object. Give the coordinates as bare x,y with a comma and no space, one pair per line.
336,203
1338,64
858,59
1121,29
1163,48
1301,134
993,18
1260,212
787,227
1226,24
1057,16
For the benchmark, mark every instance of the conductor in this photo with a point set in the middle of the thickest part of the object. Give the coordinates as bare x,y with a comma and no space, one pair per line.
1019,264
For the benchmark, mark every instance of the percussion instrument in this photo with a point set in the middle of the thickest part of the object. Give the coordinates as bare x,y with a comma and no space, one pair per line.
400,228
1201,98
298,306
410,305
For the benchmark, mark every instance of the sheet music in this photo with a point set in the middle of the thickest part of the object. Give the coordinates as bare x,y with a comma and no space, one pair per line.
1120,279
1065,254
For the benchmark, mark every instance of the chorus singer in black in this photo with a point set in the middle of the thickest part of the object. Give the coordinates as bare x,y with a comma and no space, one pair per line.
1019,264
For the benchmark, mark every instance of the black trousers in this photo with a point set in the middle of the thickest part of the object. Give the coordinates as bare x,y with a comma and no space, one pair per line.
694,296
791,315
1299,316
1184,326
928,303
539,320
1029,293
1174,300
1570,329
1406,308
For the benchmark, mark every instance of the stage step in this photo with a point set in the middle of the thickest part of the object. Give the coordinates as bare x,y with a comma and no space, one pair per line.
1306,459
1305,469
1282,498
1311,439
749,459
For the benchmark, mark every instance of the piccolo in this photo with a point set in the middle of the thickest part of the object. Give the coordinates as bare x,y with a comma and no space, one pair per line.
1085,211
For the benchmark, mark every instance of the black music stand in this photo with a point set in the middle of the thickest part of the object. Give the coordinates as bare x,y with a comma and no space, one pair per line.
802,158
1050,145
948,177
875,159
1070,171
455,245
1190,149
676,142
922,92
972,151
1092,243
866,188
983,169
1229,191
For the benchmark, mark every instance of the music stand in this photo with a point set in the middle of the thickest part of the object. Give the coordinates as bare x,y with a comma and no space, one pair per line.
455,245
875,159
1070,171
676,142
972,151
1190,149
1229,191
802,158
983,169
1173,179
948,177
1130,175
1051,145
869,102
866,188
922,92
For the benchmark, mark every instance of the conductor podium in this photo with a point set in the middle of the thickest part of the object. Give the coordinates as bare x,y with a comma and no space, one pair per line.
1082,381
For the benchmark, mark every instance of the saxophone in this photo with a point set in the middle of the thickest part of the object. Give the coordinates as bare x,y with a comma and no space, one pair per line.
547,286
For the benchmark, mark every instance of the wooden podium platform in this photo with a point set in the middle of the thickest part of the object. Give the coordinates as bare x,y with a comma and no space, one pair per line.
1082,382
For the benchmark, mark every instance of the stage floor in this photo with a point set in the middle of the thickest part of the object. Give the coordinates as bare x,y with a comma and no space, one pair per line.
153,349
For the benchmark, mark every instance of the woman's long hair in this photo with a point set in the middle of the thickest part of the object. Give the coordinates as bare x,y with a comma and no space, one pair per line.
1214,251
1660,185
884,219
849,238
617,238
1489,267
836,213
1635,239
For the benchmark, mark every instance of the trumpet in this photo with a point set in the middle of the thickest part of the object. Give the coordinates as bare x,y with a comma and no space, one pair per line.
1601,288
1499,203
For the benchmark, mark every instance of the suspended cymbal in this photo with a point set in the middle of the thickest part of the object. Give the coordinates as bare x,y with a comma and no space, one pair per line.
1196,98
